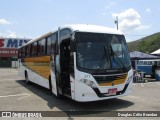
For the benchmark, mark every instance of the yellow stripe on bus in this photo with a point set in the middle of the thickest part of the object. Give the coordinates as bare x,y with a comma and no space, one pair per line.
117,81
39,65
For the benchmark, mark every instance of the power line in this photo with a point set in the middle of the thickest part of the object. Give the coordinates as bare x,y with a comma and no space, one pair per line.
135,35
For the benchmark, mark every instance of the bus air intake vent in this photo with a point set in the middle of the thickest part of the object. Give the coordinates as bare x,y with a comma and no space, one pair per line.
110,80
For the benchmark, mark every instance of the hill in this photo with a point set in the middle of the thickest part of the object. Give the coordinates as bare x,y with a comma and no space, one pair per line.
147,44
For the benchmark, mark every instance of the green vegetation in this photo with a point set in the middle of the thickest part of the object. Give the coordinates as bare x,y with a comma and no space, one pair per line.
148,44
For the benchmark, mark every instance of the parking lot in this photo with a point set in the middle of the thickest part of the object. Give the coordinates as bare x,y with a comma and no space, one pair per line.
16,95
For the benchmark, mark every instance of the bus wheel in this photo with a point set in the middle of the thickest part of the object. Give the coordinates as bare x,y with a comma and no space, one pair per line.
58,94
26,78
50,84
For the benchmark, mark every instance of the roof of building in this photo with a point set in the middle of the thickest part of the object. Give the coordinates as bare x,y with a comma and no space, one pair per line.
156,52
141,55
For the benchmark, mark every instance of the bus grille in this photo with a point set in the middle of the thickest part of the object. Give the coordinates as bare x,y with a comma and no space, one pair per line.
110,80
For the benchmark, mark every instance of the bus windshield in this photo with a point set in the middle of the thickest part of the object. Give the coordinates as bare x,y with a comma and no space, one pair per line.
102,51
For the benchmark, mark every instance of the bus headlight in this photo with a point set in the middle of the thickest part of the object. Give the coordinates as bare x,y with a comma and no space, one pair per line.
87,82
129,79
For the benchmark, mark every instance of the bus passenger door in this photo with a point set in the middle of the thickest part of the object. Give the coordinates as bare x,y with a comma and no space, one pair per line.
64,67
55,70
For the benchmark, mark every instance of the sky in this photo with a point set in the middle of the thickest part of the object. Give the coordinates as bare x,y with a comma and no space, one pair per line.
32,18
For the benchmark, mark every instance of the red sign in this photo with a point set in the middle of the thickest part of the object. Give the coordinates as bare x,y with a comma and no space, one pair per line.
8,52
9,46
12,42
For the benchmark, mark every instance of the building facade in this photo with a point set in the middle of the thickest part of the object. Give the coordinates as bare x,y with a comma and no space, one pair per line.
9,50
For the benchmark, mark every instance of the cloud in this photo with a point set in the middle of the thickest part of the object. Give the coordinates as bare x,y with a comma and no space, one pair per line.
4,21
10,34
110,4
148,10
103,13
129,20
128,14
142,27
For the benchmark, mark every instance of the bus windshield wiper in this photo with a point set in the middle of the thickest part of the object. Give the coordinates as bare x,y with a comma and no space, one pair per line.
113,53
105,52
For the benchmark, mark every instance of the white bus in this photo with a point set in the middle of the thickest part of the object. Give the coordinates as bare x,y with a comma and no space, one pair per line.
82,62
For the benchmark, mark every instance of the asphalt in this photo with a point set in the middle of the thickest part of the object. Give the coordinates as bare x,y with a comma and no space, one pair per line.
16,95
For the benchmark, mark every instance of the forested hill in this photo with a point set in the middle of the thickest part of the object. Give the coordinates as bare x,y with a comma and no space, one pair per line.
147,44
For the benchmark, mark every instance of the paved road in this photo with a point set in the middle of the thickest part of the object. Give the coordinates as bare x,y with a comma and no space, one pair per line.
15,95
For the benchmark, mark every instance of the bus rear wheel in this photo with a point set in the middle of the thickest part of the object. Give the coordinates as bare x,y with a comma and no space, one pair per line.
50,84
26,78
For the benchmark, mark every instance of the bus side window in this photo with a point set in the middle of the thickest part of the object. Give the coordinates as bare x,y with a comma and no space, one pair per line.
145,62
23,52
31,49
153,62
65,32
34,49
48,45
51,43
149,62
28,51
41,47
141,62
54,38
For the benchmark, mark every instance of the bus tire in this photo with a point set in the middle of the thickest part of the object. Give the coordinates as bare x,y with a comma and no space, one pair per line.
50,84
26,78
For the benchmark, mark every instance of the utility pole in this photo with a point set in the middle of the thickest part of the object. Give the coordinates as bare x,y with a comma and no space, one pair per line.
116,22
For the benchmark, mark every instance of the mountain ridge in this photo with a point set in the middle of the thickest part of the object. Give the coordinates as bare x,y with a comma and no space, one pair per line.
147,44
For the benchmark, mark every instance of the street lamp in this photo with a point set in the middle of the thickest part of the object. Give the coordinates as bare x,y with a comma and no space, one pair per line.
116,22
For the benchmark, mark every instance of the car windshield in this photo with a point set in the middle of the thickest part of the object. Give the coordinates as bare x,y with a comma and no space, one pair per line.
101,51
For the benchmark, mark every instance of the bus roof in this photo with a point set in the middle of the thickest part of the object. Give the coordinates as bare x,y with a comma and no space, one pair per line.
38,38
80,28
91,28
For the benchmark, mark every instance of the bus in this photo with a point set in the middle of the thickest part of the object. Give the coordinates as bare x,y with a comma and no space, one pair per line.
147,66
80,61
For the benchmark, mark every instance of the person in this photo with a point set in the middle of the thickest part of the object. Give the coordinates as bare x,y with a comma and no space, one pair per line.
136,76
154,67
86,55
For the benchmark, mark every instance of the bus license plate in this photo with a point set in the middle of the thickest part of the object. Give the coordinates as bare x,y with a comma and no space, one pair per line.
112,91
